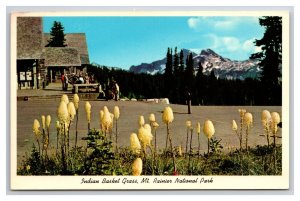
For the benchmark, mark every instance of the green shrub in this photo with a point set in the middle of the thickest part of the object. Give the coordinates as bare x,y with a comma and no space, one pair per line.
100,156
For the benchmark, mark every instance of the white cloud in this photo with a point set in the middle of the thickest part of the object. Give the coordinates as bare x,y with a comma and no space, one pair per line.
257,49
193,22
231,43
224,24
248,45
227,43
220,23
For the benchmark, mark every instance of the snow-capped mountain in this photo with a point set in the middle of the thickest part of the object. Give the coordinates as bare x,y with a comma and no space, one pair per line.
210,60
226,68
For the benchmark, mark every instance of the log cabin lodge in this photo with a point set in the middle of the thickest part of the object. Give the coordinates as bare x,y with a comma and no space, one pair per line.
38,65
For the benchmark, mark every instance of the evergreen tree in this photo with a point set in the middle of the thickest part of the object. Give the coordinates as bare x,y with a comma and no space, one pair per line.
168,75
57,36
181,79
213,90
181,62
189,71
200,84
169,65
176,79
200,72
176,63
270,58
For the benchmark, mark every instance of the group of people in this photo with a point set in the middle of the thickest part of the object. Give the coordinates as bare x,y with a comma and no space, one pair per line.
111,89
75,79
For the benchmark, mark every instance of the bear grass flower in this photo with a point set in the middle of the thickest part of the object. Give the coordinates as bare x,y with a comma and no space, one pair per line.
88,111
106,120
208,129
105,109
135,144
43,122
248,119
141,121
48,121
155,125
266,118
36,128
188,124
65,98
168,116
147,127
76,101
71,110
145,137
36,131
275,121
112,116
242,112
57,125
275,117
116,112
152,118
62,112
234,125
137,167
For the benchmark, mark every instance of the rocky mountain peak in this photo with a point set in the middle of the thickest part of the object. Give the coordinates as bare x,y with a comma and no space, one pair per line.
210,61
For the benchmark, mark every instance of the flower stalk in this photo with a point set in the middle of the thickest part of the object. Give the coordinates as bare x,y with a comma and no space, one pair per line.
76,104
209,131
242,114
198,134
168,118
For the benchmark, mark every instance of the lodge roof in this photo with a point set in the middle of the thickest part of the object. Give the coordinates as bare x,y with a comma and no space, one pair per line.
29,37
74,40
61,56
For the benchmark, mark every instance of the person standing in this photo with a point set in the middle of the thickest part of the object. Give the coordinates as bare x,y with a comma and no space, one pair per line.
66,82
189,101
63,81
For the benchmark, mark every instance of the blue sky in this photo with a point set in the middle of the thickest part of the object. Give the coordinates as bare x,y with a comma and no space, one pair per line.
126,41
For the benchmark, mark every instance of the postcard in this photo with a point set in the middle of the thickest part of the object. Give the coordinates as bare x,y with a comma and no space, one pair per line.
150,100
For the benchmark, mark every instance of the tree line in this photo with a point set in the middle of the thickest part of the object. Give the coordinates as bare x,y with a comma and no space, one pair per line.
205,90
